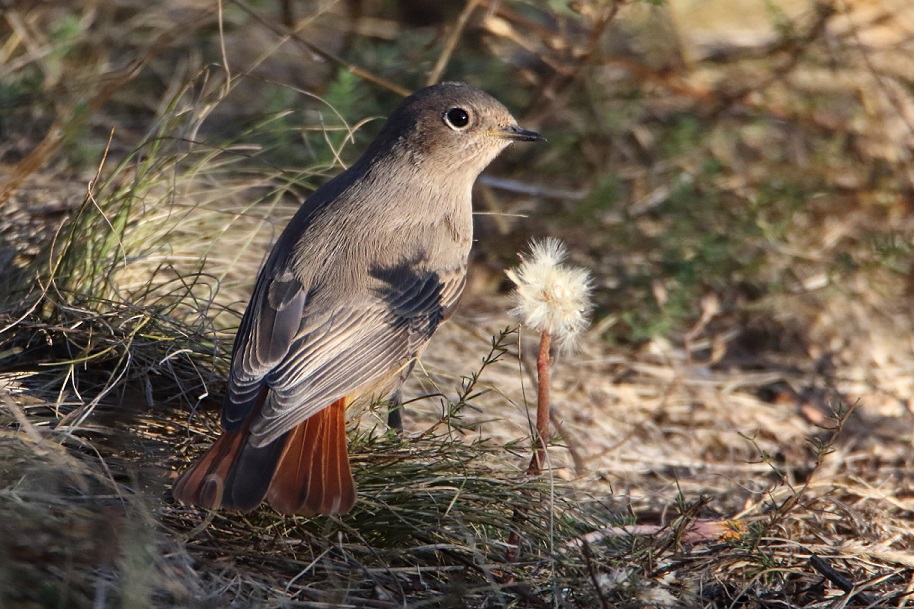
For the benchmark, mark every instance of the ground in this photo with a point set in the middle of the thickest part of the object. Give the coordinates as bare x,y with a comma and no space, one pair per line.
733,430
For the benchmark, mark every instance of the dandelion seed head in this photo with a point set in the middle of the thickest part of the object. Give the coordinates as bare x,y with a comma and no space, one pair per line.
551,296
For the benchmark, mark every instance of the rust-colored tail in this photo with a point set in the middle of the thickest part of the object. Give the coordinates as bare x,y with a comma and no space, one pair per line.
313,475
203,483
306,471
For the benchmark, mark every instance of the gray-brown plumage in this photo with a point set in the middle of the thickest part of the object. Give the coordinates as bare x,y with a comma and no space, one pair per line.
355,286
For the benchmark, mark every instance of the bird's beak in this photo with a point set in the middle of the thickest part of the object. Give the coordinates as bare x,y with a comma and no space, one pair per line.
516,133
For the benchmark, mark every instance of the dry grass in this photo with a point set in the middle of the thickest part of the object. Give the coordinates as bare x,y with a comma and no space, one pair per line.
735,431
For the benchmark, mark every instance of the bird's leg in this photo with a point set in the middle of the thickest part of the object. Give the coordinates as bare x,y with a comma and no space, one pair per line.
395,403
395,412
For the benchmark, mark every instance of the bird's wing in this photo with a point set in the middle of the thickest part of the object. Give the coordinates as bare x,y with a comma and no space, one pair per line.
269,325
310,355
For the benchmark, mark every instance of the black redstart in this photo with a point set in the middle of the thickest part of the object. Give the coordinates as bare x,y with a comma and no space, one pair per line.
352,291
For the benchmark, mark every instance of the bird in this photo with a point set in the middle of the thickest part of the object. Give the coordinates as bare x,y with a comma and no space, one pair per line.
353,289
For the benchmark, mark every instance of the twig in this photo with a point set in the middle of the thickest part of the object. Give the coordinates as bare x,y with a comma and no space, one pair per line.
451,42
592,572
534,190
571,443
542,431
63,124
560,81
831,574
326,55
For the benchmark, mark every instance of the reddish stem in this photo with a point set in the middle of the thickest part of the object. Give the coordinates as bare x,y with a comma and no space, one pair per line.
542,405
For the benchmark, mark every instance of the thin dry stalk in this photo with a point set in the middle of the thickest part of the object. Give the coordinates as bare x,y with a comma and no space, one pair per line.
323,54
451,42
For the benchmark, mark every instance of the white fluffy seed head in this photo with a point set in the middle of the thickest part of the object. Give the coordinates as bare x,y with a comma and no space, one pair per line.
551,296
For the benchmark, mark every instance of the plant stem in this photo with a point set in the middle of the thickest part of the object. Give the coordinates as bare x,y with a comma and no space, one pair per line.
542,432
542,405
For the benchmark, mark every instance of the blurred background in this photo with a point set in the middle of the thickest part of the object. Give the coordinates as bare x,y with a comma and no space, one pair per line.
736,174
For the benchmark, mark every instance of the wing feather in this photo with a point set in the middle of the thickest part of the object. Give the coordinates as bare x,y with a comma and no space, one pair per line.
332,353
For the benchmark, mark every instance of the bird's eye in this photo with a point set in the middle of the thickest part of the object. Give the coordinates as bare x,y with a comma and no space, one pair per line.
457,118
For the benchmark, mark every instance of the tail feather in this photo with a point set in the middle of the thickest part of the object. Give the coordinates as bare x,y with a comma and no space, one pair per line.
313,475
251,475
342,486
203,483
306,471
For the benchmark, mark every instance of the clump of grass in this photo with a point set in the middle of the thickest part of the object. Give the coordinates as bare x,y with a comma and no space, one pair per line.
435,516
71,535
115,341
